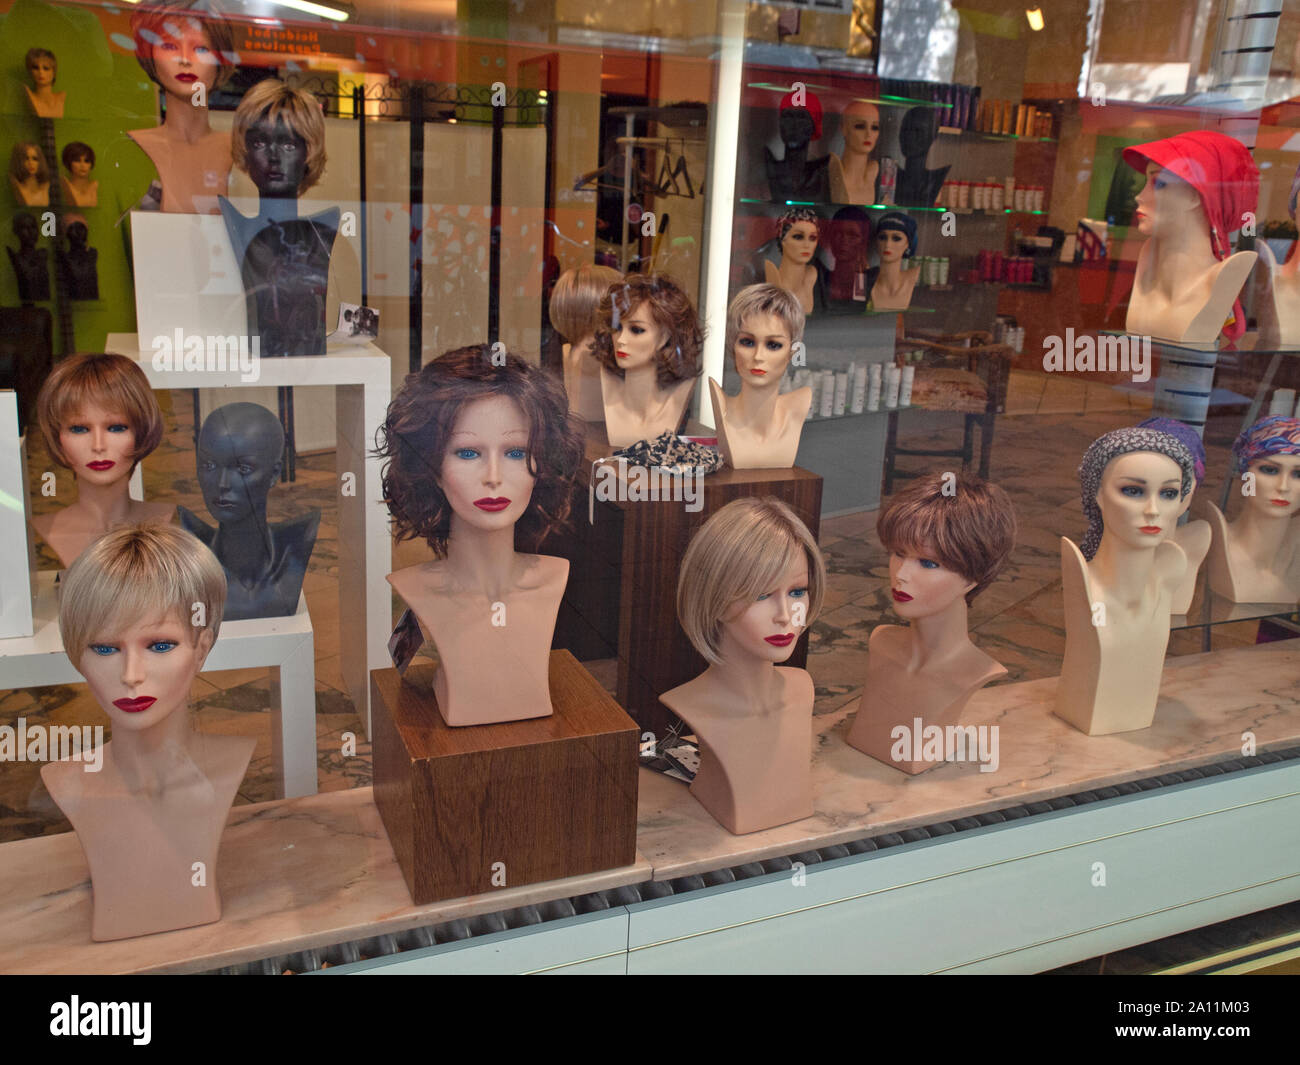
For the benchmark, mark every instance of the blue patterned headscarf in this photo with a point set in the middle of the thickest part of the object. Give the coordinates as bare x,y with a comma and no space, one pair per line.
1275,435
1103,451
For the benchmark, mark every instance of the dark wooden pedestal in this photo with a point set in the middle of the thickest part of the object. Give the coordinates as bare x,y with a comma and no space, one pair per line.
483,806
621,598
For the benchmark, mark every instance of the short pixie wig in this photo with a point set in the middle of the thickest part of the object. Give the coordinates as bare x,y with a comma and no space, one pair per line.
112,382
736,556
575,300
272,100
966,524
74,150
422,417
137,573
679,355
34,54
18,163
153,23
764,299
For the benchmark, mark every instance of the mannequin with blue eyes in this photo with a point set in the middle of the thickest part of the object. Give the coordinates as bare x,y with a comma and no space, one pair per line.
1256,557
1118,603
759,428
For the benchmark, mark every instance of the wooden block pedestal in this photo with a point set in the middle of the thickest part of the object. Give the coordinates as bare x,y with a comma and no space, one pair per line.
523,801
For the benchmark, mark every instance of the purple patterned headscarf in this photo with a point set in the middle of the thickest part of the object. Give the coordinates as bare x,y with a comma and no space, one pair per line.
1189,436
1275,435
1111,446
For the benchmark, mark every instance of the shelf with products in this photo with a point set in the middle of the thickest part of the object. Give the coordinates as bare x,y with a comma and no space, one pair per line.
953,131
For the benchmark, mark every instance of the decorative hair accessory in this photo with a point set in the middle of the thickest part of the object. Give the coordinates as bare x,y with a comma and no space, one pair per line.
796,214
899,222
1275,435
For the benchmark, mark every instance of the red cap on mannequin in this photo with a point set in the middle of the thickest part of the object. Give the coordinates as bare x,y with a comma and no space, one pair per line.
810,103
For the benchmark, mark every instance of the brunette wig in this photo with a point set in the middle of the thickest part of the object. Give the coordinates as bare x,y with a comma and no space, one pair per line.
422,417
679,354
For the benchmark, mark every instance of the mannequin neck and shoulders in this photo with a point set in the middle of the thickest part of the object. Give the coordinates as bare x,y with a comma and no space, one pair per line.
853,178
31,193
1254,560
1181,292
193,165
636,407
713,700
71,529
760,433
47,104
1135,585
892,287
962,666
582,381
801,279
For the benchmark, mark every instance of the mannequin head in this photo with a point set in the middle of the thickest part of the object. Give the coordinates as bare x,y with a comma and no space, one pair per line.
946,539
78,159
752,571
849,237
649,320
239,455
503,429
1270,451
1167,204
1133,483
860,124
42,67
127,617
278,139
917,132
800,121
178,46
575,302
75,229
84,391
27,163
764,322
25,229
895,237
799,230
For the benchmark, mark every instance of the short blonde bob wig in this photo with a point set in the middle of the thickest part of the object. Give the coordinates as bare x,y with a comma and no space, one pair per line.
736,556
113,383
575,300
138,573
764,299
272,100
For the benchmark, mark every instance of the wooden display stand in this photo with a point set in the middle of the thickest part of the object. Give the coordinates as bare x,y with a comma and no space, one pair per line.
473,809
622,593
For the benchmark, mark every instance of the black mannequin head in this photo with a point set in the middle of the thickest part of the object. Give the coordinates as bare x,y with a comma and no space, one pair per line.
796,126
240,450
917,132
25,229
78,233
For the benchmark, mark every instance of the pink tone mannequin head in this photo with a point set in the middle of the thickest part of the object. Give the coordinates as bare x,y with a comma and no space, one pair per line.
860,124
948,535
739,581
42,67
177,46
764,322
799,230
26,162
1269,451
666,310
462,391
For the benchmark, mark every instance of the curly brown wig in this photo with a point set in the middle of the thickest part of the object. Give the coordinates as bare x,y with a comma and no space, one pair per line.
422,417
679,355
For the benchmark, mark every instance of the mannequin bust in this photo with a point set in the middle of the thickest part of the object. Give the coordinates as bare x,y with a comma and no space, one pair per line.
849,240
759,428
795,176
43,69
1193,536
1279,302
187,54
917,185
278,139
890,284
29,175
78,264
648,344
853,178
150,821
799,231
1256,557
31,264
1118,590
239,455
947,542
79,188
751,582
1199,186
476,453
575,313
99,418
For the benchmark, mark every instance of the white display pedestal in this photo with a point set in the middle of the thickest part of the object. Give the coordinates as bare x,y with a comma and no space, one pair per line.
362,384
16,567
286,644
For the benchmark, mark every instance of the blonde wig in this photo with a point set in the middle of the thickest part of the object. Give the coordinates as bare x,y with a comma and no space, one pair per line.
575,300
272,100
113,383
764,299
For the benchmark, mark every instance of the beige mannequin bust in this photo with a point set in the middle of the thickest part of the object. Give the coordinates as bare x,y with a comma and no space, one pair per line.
1194,536
892,282
930,669
649,348
582,380
752,718
100,445
760,427
150,819
794,276
853,177
46,104
1118,604
43,68
1279,302
465,469
29,175
799,232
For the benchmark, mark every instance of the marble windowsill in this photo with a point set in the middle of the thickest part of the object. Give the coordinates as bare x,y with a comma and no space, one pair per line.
302,873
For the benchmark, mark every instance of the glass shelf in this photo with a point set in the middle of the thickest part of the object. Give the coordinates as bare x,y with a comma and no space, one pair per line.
1209,609
965,211
953,131
891,101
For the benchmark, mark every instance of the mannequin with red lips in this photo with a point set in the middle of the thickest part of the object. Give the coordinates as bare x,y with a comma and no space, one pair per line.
181,49
1118,590
750,582
150,820
1256,557
43,68
797,273
475,449
930,669
890,285
853,178
760,427
99,418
